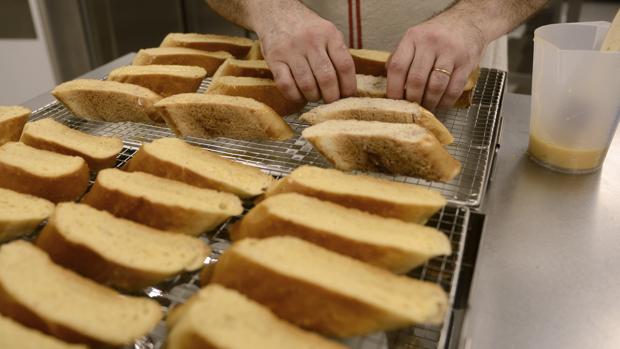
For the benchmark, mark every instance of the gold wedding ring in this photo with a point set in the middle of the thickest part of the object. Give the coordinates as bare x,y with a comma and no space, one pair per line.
443,71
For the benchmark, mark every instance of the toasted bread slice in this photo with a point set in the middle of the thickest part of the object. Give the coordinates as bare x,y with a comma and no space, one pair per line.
14,335
235,45
307,284
41,173
161,203
384,242
262,90
210,61
20,213
47,134
165,80
212,115
12,121
175,159
217,317
407,202
467,96
371,86
246,68
370,62
116,251
255,52
379,109
40,294
400,149
108,100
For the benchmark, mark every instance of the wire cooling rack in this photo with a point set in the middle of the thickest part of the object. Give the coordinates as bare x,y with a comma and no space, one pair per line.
474,130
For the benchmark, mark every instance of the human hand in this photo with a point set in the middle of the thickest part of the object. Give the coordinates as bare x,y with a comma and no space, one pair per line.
433,60
307,56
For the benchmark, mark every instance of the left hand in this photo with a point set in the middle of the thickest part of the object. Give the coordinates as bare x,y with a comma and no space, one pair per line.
447,43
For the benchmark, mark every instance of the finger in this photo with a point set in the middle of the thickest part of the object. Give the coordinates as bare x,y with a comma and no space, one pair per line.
325,75
437,82
418,75
304,78
397,67
455,87
285,82
345,68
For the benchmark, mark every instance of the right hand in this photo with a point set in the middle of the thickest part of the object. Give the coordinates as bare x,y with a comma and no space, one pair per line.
307,56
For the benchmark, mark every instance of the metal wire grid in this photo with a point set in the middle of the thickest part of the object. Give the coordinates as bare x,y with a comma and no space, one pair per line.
474,130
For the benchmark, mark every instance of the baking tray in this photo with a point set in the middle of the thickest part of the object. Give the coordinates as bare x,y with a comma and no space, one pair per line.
475,131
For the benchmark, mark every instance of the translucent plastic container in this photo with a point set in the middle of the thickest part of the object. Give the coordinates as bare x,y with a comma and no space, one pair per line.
575,97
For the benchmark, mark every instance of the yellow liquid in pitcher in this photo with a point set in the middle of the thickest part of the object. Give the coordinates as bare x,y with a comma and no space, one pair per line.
566,158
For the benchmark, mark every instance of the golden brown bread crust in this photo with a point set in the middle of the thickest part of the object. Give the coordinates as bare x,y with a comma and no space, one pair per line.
261,223
265,93
162,84
233,68
94,164
152,214
404,212
255,52
466,98
341,316
370,62
65,188
11,129
18,312
236,49
92,265
197,58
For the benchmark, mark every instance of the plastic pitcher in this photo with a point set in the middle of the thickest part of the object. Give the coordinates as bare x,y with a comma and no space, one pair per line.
575,97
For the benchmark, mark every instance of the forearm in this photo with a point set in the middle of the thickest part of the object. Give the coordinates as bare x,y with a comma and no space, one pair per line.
493,18
256,15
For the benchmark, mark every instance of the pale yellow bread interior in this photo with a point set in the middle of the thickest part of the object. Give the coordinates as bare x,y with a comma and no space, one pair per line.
127,243
51,131
184,71
41,163
223,174
12,111
247,68
67,302
404,298
236,45
12,121
209,61
223,318
353,190
379,109
14,335
371,86
215,115
403,245
21,213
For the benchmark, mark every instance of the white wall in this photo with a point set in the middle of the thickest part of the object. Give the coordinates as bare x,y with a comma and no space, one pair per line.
25,67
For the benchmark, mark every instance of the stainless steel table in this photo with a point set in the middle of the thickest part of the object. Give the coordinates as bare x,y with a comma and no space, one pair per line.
548,267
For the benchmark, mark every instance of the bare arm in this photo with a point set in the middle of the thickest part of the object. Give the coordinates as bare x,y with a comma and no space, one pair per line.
453,42
306,53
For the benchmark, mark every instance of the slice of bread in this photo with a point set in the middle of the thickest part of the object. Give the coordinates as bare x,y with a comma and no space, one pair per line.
212,115
379,109
165,80
210,61
175,159
108,100
467,96
14,335
42,173
324,291
161,203
399,149
255,52
370,62
115,251
217,317
47,134
371,86
235,45
20,213
262,90
407,202
12,121
40,294
247,68
384,242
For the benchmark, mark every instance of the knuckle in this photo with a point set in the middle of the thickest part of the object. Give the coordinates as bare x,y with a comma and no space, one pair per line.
396,66
325,79
306,85
435,88
417,80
